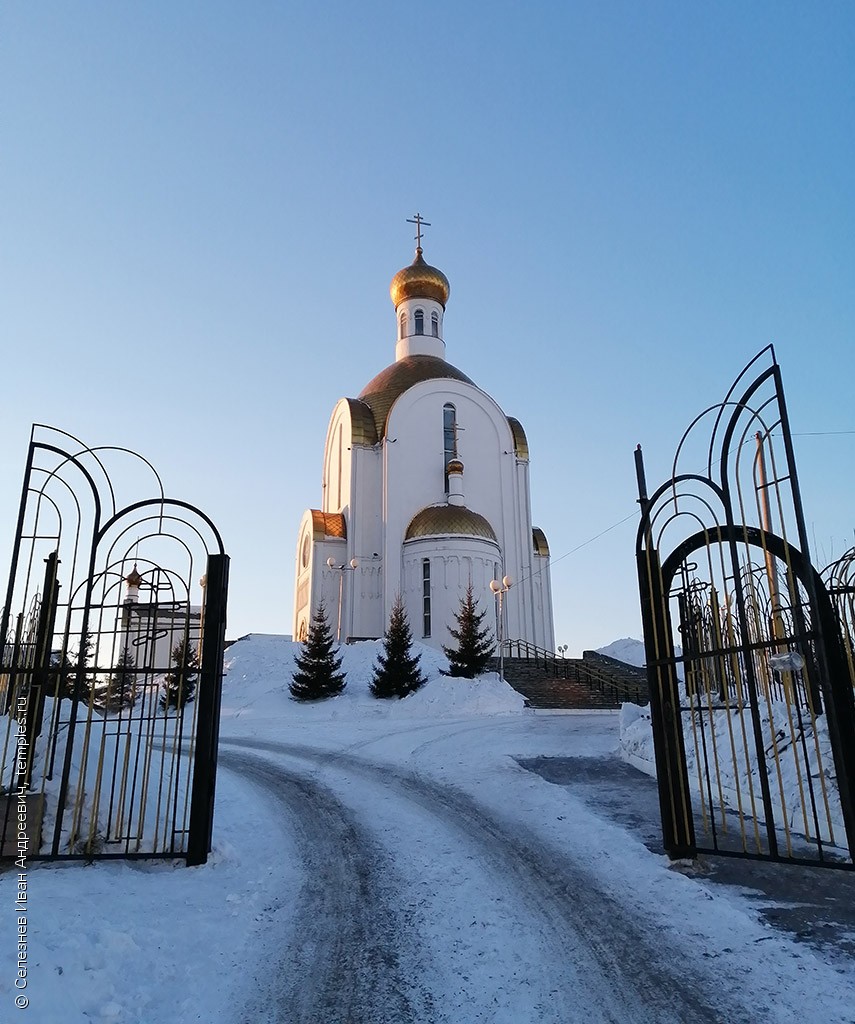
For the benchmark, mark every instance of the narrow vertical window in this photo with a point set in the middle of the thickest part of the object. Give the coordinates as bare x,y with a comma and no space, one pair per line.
449,435
425,597
403,325
419,317
434,324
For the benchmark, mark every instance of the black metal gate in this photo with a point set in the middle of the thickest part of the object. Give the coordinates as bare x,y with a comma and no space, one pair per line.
753,720
111,668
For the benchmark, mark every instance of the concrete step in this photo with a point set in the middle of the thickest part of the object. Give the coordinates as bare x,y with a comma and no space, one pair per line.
574,683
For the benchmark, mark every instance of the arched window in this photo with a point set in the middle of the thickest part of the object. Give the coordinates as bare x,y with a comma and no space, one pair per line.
449,436
419,317
434,324
403,325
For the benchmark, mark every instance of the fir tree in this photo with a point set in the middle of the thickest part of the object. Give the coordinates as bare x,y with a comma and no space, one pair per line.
318,676
474,641
397,671
120,690
67,666
179,685
85,654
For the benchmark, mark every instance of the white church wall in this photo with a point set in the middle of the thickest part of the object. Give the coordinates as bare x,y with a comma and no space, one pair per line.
454,561
337,460
315,581
542,588
495,483
365,541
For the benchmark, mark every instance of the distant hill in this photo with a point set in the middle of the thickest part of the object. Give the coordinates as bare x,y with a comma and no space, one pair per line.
632,652
626,650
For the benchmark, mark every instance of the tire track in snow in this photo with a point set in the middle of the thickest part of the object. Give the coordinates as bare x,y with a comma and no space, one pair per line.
622,966
343,962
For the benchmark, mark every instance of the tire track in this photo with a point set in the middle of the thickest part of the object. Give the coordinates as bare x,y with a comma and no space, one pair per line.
343,963
628,971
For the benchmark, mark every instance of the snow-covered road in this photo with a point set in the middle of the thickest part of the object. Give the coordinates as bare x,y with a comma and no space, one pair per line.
398,862
421,904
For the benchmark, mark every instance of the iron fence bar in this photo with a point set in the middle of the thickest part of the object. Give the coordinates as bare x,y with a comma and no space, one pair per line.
208,713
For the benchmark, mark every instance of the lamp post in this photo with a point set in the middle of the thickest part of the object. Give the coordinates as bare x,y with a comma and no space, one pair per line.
341,569
500,589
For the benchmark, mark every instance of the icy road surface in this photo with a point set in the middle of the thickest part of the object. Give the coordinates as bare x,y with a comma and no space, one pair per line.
418,903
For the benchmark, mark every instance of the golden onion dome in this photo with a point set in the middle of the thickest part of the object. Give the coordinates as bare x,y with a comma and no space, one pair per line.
419,281
133,579
454,466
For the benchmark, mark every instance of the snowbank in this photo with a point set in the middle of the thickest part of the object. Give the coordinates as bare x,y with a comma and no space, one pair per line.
259,670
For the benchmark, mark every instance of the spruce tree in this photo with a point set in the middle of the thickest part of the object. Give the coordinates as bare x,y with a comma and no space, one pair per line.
474,640
78,662
179,685
318,676
120,690
397,671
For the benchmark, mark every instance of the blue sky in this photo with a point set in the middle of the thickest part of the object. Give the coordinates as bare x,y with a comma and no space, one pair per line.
203,203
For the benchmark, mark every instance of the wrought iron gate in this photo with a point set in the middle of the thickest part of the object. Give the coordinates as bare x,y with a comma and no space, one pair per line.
111,668
753,721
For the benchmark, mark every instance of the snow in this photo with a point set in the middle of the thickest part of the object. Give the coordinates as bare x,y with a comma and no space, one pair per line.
627,650
499,882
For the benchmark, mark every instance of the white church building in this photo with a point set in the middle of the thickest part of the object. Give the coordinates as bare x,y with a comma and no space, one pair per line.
425,489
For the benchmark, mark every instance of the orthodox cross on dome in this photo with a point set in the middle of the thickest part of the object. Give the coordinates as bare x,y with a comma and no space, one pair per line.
418,220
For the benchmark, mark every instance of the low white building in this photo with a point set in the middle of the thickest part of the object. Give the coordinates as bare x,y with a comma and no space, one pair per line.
425,488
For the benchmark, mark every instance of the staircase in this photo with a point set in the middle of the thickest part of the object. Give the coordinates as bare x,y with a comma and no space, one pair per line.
590,683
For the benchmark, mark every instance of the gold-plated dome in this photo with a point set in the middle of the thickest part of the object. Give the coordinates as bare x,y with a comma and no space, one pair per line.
454,466
419,281
133,579
449,520
381,393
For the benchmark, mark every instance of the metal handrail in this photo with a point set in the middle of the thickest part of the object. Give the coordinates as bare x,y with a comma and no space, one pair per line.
577,669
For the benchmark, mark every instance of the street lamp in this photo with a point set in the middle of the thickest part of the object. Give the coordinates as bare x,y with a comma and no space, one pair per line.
342,569
500,589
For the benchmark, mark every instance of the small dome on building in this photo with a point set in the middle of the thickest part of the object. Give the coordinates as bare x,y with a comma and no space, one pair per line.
454,466
133,579
450,521
419,281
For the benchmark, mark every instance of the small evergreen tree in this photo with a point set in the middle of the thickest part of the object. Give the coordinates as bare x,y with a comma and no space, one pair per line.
474,641
318,676
120,690
179,685
60,680
69,665
397,671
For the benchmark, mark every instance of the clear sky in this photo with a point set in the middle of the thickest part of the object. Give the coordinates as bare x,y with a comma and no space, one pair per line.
202,205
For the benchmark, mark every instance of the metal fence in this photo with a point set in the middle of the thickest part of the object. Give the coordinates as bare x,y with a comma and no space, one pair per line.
754,726
111,678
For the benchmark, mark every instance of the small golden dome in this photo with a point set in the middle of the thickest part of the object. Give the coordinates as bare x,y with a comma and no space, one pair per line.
454,466
133,579
450,521
419,281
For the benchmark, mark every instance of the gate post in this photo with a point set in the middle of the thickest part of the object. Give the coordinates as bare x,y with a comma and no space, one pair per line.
208,714
675,805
